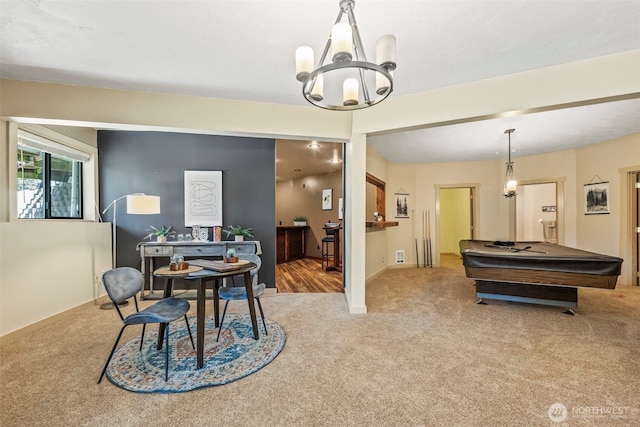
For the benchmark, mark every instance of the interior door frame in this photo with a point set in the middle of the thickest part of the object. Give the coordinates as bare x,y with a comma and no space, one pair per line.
628,223
474,189
560,225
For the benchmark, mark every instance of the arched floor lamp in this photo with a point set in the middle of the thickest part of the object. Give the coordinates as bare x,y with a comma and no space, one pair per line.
137,204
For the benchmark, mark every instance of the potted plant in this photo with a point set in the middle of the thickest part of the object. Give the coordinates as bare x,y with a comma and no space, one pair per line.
161,233
239,232
299,220
231,256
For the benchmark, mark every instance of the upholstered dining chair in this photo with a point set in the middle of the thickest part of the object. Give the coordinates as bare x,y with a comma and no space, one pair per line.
123,283
254,271
232,293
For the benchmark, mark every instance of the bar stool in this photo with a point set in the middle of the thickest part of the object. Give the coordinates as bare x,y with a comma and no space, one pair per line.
327,242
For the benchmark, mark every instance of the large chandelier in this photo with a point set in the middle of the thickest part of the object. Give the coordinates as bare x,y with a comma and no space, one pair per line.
344,83
510,183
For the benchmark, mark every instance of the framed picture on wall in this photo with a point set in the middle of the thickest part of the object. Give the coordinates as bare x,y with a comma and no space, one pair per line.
202,198
596,198
327,199
402,205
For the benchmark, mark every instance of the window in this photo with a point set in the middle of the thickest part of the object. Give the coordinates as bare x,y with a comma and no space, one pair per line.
49,178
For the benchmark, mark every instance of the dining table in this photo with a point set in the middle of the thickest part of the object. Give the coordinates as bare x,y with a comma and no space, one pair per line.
215,272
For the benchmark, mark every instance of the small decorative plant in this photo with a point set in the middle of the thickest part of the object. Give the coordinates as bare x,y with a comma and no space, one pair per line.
231,255
299,220
160,233
239,232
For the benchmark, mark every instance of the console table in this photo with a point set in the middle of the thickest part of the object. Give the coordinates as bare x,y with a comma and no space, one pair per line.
291,242
149,251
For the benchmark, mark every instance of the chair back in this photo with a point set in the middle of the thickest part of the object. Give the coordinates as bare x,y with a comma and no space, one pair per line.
122,283
330,227
254,271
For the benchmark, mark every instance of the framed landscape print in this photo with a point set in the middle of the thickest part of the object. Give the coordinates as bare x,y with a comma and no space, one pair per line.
402,205
596,198
202,198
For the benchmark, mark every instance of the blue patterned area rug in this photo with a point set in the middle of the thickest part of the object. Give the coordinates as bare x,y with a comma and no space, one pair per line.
235,356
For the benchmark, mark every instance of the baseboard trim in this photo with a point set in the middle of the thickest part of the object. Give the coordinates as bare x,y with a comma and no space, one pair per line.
8,337
389,267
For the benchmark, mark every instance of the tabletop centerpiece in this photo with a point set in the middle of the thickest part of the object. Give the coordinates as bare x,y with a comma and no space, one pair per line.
231,256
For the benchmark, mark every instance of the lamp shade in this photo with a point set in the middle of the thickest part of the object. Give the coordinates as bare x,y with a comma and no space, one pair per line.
386,51
143,204
317,92
304,62
350,91
341,42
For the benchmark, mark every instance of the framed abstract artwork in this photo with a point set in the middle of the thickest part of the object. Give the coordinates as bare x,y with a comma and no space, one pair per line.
202,198
327,199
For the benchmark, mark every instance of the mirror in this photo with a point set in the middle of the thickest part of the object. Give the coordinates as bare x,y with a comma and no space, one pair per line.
375,197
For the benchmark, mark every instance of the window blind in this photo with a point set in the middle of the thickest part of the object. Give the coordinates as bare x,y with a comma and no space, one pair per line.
36,142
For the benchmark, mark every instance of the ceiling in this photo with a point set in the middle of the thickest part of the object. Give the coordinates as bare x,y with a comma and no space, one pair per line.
245,50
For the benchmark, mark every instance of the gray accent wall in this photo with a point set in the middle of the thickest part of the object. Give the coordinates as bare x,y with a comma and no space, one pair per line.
154,163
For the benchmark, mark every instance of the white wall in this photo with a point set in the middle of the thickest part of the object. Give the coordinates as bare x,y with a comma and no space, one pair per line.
48,268
491,222
402,178
559,165
609,160
377,243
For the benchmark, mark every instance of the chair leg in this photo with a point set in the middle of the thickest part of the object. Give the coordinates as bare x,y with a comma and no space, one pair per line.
144,325
222,321
189,329
166,352
113,350
262,315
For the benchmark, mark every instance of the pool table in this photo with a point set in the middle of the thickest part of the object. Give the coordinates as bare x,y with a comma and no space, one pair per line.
536,272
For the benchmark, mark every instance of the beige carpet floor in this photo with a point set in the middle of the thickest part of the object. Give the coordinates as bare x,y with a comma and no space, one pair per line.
425,355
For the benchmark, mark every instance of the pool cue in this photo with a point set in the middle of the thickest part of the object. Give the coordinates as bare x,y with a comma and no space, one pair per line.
514,250
427,242
424,240
430,257
413,231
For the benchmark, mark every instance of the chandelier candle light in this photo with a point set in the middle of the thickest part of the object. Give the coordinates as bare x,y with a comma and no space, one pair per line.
344,76
510,183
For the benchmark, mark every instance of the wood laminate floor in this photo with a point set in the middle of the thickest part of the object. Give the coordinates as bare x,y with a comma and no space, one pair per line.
306,275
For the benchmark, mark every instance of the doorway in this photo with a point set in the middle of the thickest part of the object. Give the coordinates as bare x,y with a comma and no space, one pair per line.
309,189
538,209
536,213
455,217
634,229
